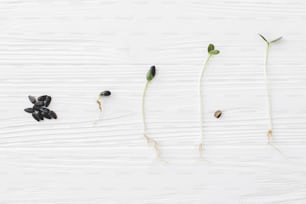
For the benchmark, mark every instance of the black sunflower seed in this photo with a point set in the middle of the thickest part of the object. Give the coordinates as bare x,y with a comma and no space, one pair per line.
39,103
42,98
45,110
48,101
32,99
46,115
36,116
53,114
29,110
41,117
35,107
40,111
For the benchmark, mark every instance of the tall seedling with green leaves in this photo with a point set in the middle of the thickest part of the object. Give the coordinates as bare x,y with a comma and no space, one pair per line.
268,44
150,75
211,51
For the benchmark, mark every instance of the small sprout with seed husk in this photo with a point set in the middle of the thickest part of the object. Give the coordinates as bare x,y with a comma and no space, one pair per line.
99,102
268,43
149,76
211,51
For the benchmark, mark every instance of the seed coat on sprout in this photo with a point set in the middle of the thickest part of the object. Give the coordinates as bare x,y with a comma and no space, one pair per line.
149,76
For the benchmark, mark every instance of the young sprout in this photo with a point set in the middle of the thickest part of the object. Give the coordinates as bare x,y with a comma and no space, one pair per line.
99,102
150,75
268,44
211,51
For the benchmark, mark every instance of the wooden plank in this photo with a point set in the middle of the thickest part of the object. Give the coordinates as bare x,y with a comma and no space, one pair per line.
72,50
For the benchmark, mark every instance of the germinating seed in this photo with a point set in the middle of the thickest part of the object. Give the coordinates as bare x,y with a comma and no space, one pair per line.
149,76
39,110
103,93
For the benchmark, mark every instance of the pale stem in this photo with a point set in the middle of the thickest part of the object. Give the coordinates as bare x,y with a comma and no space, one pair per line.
143,107
269,133
201,146
99,102
148,139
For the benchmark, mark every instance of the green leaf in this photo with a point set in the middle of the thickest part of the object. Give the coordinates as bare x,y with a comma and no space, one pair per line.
263,38
210,47
214,52
277,39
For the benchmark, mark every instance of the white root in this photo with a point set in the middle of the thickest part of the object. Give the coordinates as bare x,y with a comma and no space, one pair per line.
154,143
99,104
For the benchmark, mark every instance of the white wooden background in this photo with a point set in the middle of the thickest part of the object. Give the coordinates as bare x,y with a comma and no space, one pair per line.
74,49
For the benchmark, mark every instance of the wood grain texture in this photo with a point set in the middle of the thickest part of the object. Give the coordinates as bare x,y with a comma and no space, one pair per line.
72,50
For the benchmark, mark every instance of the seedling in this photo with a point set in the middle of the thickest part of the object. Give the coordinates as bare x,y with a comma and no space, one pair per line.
268,44
99,102
211,51
150,75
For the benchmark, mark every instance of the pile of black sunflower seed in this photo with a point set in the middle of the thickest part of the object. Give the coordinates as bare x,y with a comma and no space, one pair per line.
40,108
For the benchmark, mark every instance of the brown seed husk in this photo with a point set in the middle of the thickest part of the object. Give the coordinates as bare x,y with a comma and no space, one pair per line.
218,114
